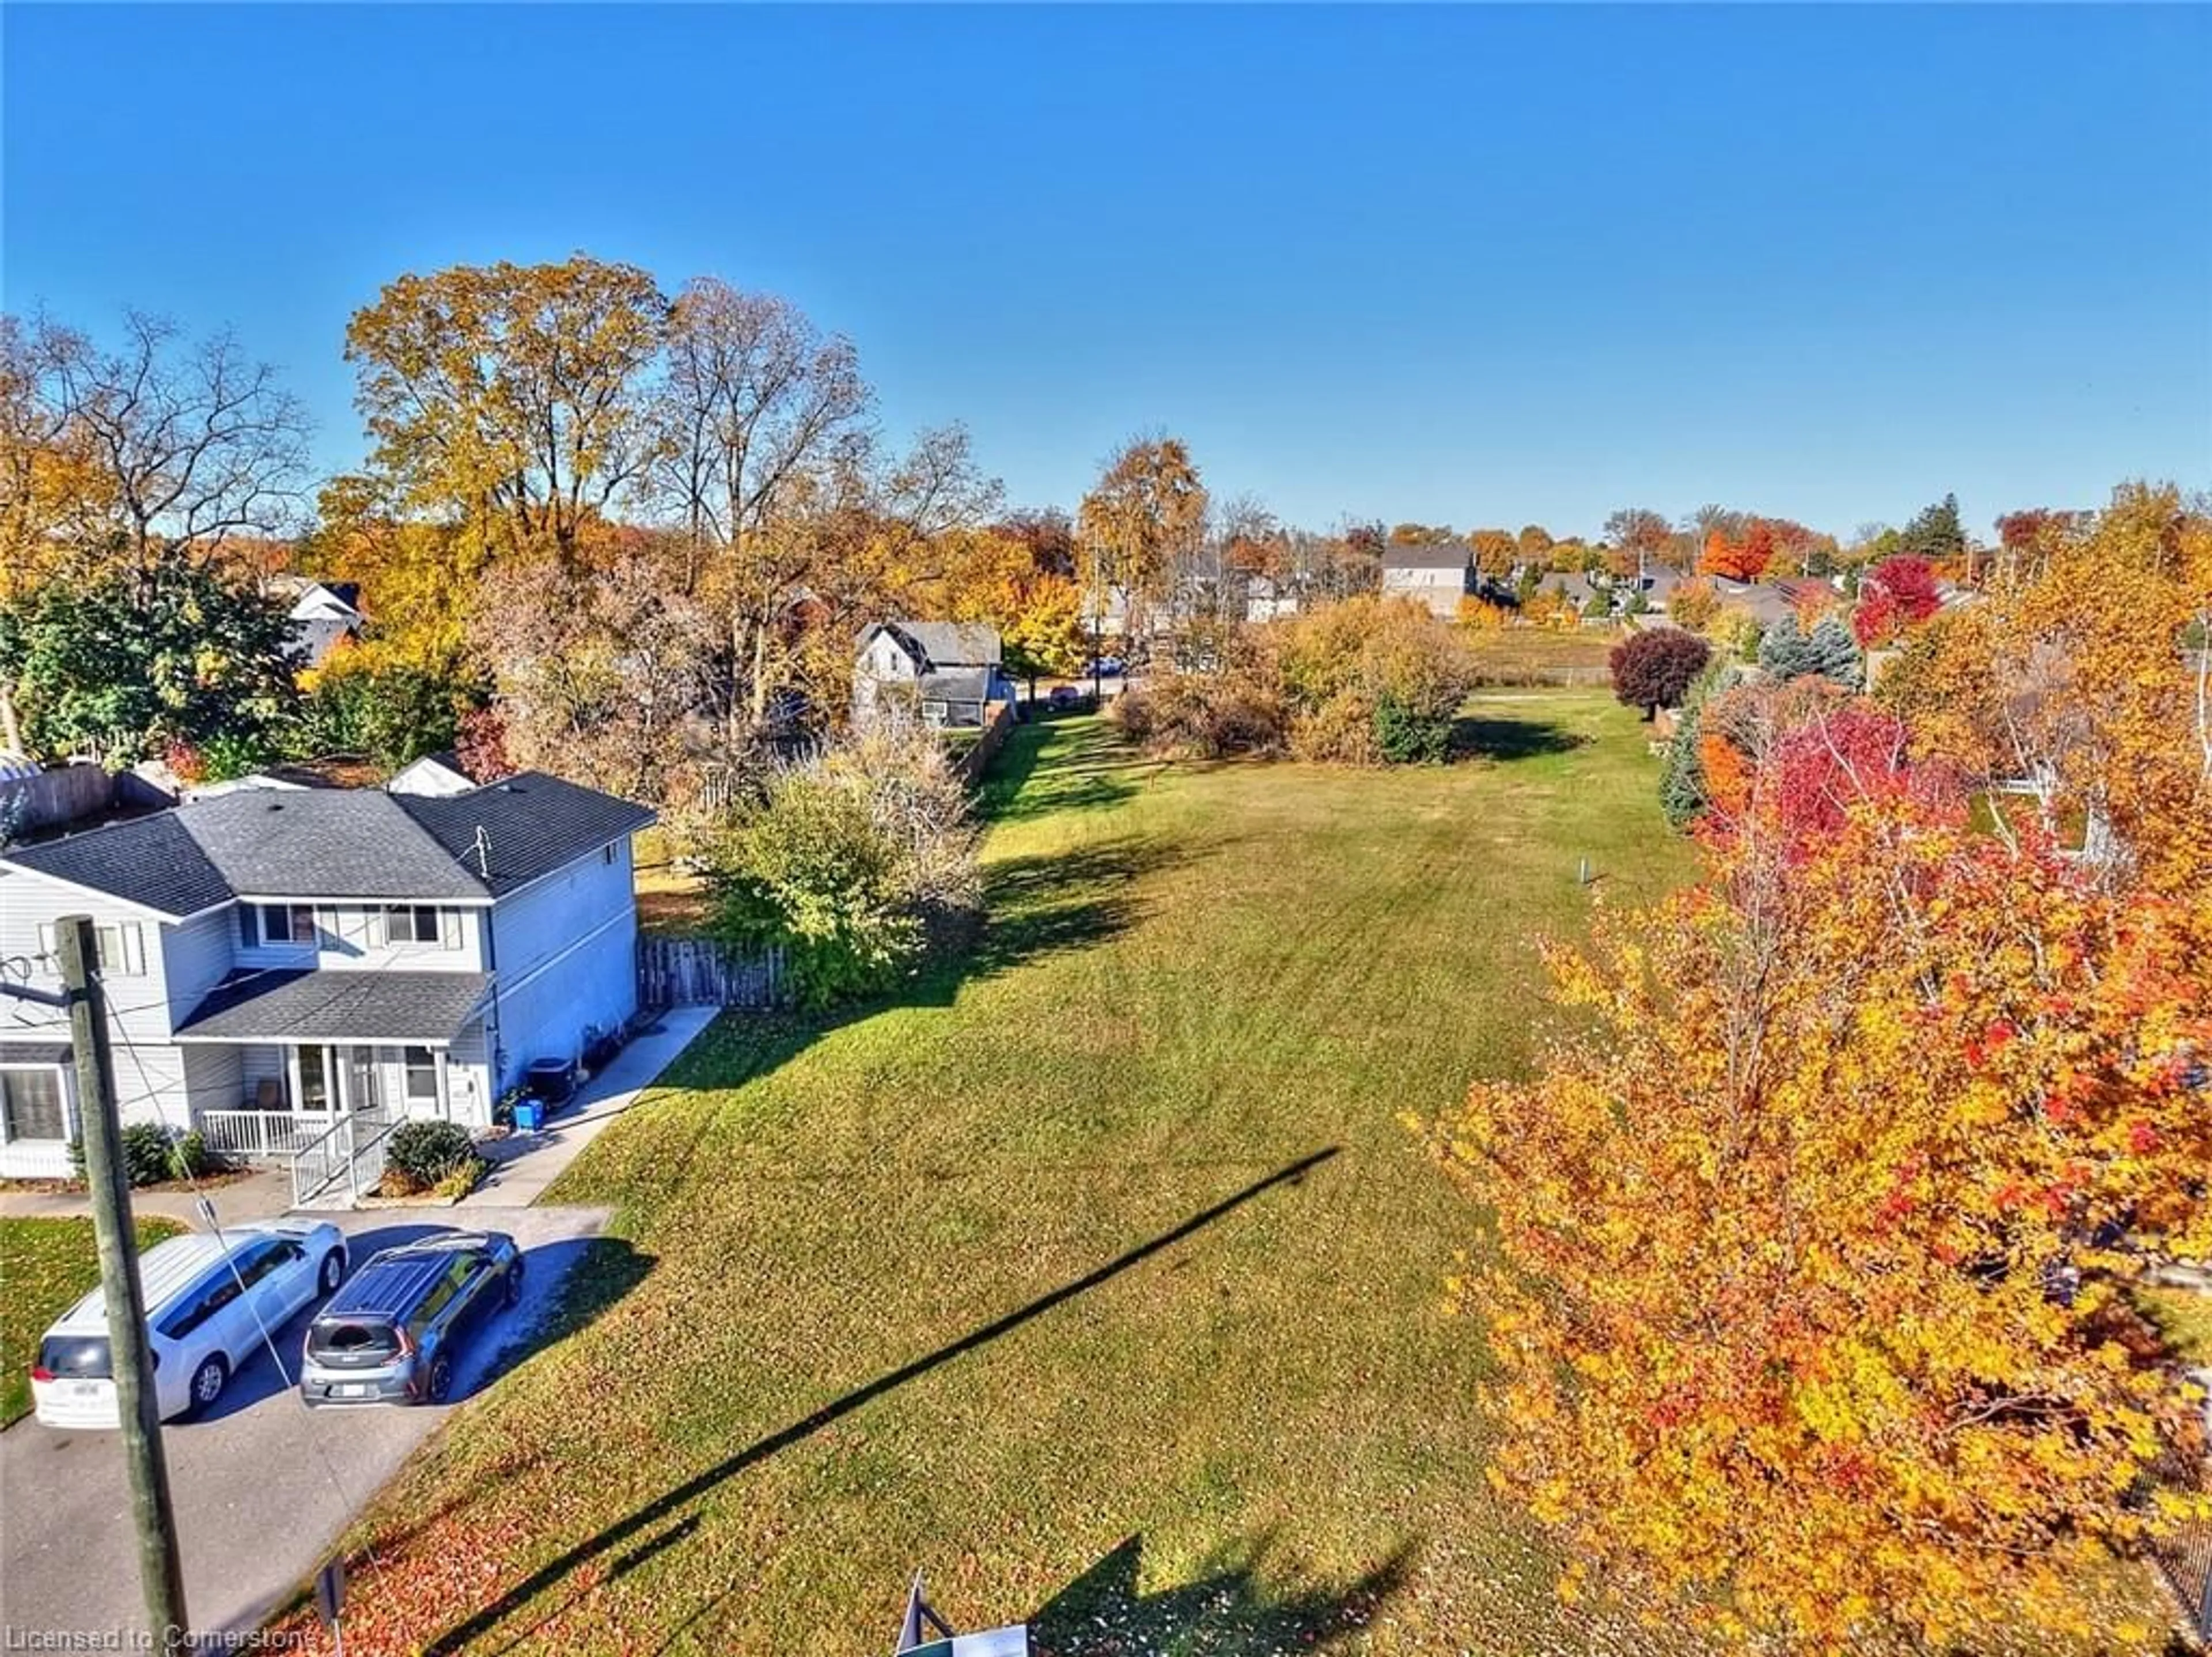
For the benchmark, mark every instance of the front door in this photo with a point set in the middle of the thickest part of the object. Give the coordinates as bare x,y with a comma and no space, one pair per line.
364,1094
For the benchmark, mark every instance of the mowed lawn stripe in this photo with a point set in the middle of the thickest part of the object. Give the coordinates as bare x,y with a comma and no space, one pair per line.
1262,1435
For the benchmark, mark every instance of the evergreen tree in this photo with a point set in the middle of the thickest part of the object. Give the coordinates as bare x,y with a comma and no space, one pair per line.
1935,533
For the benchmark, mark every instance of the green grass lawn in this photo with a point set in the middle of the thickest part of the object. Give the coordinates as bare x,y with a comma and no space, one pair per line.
46,1266
1097,1278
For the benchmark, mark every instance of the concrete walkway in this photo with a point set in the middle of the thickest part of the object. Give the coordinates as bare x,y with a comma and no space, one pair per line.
524,1164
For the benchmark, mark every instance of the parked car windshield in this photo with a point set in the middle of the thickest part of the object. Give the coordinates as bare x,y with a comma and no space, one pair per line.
81,1357
351,1337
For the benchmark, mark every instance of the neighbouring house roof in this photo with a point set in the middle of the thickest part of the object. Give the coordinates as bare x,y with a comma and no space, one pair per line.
351,843
1579,588
430,1008
944,643
1768,604
1660,579
434,773
959,684
1450,554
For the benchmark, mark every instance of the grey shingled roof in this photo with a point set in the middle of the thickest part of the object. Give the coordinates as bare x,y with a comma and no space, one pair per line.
340,842
308,1006
153,860
954,643
533,823
965,685
323,842
1452,555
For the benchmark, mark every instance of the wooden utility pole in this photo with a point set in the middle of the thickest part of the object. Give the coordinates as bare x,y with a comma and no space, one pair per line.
160,1572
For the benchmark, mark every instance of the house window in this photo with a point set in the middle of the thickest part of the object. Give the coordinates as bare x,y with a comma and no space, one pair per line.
287,923
410,923
122,949
607,853
422,1074
31,1105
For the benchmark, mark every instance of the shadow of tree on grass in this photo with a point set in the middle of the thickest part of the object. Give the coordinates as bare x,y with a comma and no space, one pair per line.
1223,1608
1488,736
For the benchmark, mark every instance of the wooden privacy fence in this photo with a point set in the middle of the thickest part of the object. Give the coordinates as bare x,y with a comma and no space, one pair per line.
706,972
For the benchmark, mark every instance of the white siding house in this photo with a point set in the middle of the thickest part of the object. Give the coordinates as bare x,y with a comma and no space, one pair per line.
274,958
1436,576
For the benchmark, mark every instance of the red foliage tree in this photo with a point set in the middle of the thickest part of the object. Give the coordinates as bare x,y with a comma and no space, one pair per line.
1653,669
1897,593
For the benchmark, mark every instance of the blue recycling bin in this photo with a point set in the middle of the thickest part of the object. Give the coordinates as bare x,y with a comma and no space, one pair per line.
529,1115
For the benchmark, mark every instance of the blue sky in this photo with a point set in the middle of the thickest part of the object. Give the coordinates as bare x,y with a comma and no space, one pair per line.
1478,265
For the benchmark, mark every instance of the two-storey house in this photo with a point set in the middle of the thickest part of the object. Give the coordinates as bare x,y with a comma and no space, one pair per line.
273,958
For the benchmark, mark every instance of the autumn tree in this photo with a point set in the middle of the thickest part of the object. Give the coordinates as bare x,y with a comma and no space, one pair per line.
1146,511
2069,678
1413,535
1652,668
157,443
1496,551
1898,592
1637,532
510,397
1805,1284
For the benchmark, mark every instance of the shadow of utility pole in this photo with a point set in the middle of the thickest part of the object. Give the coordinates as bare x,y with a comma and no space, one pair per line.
665,1505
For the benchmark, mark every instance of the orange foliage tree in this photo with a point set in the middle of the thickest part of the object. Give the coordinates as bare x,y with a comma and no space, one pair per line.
1810,1290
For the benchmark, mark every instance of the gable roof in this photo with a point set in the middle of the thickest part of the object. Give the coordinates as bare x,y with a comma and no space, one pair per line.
153,861
955,684
533,824
945,643
348,842
1450,555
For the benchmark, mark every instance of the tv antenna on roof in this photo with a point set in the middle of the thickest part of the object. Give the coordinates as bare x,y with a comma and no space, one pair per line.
483,850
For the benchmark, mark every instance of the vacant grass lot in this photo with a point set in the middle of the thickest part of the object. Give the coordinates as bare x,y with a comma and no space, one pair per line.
1098,1279
46,1267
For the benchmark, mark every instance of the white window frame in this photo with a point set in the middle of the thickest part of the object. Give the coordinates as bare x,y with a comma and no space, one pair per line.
408,1067
121,945
61,1076
290,914
403,923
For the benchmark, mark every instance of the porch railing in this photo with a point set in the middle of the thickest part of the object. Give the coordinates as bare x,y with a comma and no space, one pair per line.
260,1136
350,1151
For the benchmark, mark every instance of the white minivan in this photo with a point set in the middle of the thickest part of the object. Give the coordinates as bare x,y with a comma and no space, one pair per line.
208,1296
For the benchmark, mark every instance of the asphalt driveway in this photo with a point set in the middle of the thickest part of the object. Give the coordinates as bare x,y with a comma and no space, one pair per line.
263,1487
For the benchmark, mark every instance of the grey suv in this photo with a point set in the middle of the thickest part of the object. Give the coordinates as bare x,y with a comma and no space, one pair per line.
391,1334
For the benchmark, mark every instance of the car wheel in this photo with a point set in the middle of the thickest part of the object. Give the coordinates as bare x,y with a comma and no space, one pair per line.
208,1382
440,1386
514,1285
333,1270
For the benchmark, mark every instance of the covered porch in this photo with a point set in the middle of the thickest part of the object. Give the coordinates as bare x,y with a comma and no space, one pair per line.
278,1060
292,1092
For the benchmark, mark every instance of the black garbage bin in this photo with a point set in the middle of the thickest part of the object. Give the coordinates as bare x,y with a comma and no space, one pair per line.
553,1080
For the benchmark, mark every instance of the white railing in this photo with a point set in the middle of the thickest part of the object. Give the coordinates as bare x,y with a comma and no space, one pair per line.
259,1136
351,1150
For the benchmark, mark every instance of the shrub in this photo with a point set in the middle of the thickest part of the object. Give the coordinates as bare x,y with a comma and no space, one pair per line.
426,1152
852,862
1202,715
1409,736
1655,668
152,1153
1372,682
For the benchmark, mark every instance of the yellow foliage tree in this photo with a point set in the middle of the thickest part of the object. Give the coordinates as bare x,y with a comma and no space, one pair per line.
1810,1288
